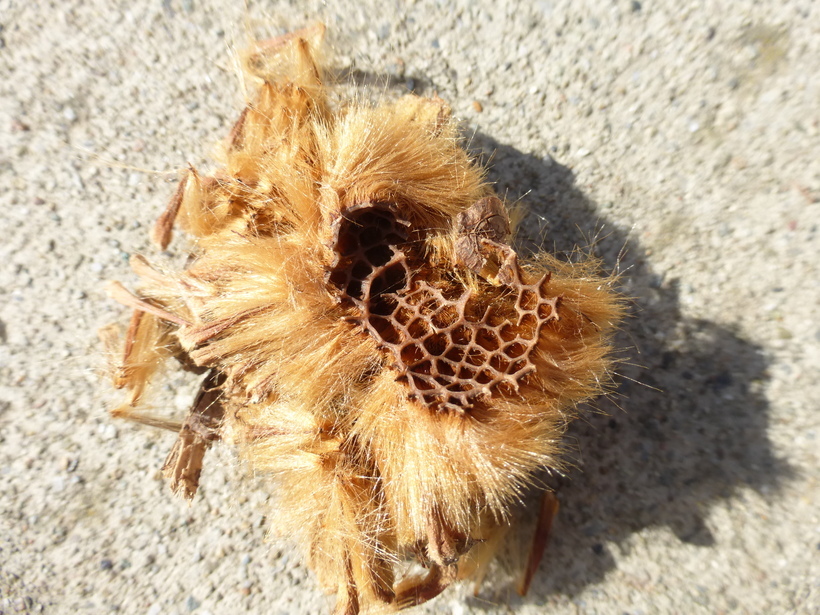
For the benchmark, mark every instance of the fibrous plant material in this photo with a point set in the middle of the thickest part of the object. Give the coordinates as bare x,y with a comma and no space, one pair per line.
368,335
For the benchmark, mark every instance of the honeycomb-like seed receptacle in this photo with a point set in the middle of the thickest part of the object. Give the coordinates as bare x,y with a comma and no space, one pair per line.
453,347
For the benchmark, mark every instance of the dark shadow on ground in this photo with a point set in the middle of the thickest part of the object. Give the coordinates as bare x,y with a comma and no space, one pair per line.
687,425
396,80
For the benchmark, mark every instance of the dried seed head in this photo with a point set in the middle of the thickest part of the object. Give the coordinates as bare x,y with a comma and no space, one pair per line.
370,337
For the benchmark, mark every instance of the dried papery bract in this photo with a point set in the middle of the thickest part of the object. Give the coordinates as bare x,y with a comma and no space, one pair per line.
369,336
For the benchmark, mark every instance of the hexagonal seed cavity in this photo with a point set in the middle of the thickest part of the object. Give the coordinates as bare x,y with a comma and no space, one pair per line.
507,388
547,310
466,373
461,335
476,356
411,354
403,315
385,329
499,363
487,339
528,327
428,307
338,278
494,319
418,329
455,354
354,289
421,384
527,300
445,368
379,255
395,277
485,376
445,317
436,344
425,368
514,350
508,332
360,270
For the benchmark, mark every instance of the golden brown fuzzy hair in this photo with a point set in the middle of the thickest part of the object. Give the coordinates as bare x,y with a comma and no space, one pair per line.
370,338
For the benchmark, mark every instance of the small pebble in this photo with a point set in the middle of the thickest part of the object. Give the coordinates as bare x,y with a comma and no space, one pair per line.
383,31
107,431
70,115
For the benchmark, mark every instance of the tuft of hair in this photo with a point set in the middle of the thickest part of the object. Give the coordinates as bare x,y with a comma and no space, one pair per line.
373,341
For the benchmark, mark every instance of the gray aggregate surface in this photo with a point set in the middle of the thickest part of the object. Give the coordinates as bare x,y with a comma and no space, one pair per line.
682,138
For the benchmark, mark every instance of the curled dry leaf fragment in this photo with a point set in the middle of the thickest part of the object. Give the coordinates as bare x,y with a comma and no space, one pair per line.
368,335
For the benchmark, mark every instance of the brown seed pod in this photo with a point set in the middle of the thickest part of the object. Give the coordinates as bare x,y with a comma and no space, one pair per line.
369,336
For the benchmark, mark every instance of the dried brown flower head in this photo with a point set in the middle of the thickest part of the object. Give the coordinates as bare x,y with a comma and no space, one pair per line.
368,334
